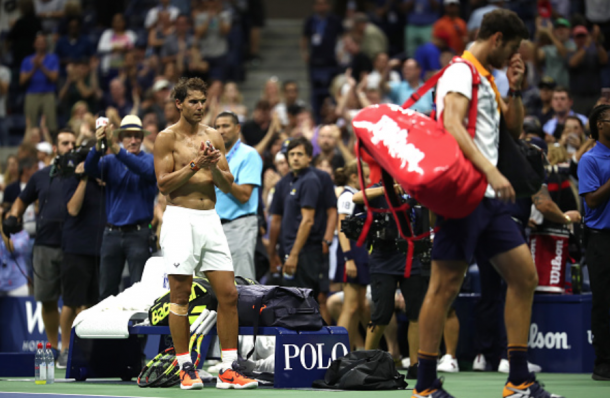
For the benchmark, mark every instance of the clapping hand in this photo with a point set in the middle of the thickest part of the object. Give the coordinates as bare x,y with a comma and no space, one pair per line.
207,157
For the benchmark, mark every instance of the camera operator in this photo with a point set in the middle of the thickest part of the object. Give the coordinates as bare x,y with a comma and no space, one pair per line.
47,186
131,187
80,243
387,268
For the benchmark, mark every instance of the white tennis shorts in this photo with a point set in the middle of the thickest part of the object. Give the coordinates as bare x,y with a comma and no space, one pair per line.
193,241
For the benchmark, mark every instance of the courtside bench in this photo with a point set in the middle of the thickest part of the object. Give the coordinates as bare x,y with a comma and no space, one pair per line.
300,356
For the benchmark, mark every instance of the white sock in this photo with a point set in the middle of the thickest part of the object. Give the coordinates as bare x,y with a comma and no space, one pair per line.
184,359
228,356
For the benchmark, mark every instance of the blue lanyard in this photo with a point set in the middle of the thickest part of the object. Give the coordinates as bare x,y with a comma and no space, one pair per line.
233,150
320,26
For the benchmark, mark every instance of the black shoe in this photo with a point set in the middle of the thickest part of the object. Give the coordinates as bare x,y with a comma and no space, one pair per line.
601,372
412,372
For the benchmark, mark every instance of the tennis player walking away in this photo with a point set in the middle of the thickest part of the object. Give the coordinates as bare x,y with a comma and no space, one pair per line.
189,162
488,231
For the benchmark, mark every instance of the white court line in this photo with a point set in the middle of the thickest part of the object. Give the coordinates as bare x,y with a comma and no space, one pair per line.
78,395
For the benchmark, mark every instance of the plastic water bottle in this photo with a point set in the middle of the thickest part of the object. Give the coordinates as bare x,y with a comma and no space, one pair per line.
50,365
40,362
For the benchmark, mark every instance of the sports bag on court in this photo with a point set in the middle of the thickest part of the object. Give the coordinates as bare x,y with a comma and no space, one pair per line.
202,297
286,307
420,155
414,150
363,370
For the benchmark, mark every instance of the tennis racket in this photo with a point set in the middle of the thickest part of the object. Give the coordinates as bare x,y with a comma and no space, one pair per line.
171,376
153,372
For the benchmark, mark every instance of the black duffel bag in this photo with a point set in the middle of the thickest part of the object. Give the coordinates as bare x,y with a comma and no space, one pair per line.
287,307
363,370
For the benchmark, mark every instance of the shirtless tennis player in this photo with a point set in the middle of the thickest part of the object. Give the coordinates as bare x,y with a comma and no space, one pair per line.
189,162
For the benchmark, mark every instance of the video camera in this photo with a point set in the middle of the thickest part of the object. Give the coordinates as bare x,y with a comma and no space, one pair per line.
66,163
384,232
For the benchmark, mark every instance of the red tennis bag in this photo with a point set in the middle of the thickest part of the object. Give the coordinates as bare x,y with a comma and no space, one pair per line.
416,151
549,247
420,155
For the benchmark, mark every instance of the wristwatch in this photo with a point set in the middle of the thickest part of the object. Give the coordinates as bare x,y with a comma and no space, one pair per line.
514,93
568,219
194,166
328,242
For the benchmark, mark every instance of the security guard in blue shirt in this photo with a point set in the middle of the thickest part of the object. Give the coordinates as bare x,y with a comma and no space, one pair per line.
594,187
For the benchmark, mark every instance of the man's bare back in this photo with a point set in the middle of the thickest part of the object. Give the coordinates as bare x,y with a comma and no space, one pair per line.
174,150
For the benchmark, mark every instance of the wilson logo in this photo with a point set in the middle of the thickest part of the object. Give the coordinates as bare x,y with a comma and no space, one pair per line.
549,341
393,137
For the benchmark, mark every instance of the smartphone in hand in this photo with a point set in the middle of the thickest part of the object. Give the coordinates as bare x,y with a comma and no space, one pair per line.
209,145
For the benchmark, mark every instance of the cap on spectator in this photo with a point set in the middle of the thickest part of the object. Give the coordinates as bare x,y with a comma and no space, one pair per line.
131,123
280,155
580,30
547,82
449,2
160,85
562,22
285,146
44,147
440,33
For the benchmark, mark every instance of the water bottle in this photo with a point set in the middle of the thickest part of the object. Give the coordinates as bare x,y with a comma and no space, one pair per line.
50,365
40,363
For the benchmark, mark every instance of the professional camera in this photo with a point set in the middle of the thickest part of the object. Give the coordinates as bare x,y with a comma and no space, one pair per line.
384,233
66,163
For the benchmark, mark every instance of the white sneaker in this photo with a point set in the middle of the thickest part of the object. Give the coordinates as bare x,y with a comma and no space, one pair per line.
505,367
448,364
406,362
479,364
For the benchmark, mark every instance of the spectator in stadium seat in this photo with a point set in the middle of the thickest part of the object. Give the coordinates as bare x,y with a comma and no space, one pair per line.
47,186
428,55
23,33
255,129
399,92
50,12
153,14
117,98
321,32
114,43
81,85
73,46
39,72
212,28
131,187
476,17
5,81
538,102
421,16
552,55
290,95
237,209
585,66
372,40
177,44
327,141
453,25
233,101
562,107
27,168
158,33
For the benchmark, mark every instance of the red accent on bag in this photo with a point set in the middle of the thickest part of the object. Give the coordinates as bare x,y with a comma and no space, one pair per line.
549,247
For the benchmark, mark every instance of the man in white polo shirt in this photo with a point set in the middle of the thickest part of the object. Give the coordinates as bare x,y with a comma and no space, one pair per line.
237,209
489,229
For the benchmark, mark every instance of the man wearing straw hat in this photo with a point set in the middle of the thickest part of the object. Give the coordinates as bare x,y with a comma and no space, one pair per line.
131,187
190,162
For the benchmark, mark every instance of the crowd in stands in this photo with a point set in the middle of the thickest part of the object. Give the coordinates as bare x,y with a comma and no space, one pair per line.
66,62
